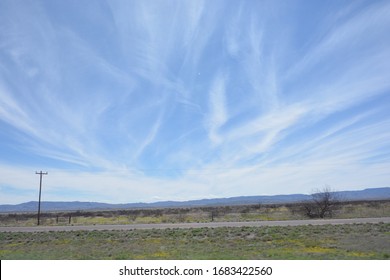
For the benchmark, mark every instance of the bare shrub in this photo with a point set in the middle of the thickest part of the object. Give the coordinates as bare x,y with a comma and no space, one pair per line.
323,204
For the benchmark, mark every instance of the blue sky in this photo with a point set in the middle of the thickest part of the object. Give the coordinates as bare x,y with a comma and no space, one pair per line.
127,101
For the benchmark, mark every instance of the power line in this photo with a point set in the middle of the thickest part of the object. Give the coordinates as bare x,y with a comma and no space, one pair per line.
40,190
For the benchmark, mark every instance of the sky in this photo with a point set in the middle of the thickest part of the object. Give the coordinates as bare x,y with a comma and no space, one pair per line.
143,101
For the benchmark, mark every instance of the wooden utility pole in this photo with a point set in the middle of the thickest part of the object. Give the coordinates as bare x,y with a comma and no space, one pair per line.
40,191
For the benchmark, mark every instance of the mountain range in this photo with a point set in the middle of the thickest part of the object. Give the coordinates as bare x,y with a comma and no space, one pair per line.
32,206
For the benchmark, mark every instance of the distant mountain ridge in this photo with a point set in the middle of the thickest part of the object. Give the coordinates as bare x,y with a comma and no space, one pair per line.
32,206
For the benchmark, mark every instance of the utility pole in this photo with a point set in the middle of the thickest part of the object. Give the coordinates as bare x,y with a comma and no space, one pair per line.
40,190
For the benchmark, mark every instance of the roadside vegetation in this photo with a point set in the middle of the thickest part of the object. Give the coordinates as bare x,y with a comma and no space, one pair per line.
256,212
357,241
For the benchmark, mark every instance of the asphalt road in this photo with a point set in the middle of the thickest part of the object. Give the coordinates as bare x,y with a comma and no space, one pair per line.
196,225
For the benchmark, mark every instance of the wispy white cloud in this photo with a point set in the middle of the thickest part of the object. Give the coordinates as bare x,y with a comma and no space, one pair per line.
203,99
11,112
218,113
352,37
150,136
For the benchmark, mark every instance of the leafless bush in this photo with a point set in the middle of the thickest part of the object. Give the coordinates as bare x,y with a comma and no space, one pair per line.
323,204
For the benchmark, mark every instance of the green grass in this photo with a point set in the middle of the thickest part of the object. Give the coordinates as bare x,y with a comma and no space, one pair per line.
358,241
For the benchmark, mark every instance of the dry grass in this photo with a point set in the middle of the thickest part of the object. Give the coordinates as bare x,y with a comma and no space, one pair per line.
197,214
